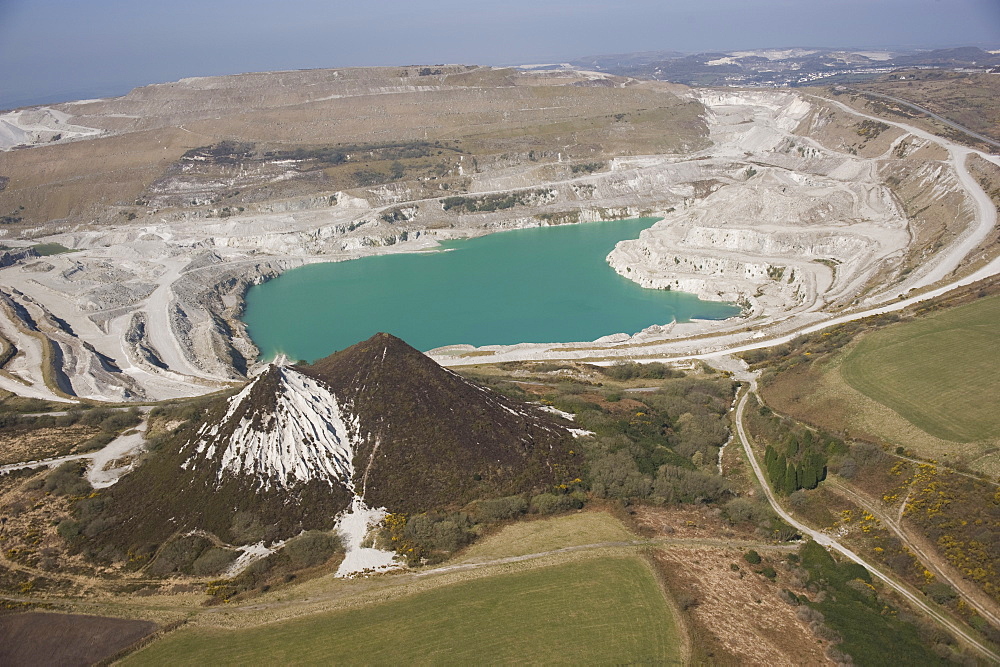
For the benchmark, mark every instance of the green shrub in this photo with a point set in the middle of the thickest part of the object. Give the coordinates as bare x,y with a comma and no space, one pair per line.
941,592
120,421
246,528
312,548
430,534
213,561
677,485
550,503
68,529
178,556
99,441
746,510
752,557
586,168
863,621
630,370
499,509
617,475
92,417
68,480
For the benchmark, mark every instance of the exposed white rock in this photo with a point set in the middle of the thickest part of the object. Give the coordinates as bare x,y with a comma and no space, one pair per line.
308,436
117,459
249,555
39,125
556,411
354,525
772,239
803,234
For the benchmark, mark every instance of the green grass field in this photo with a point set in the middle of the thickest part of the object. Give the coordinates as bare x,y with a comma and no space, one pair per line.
941,373
602,610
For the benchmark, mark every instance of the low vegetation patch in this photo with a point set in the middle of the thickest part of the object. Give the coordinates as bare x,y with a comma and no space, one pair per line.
961,516
845,606
531,537
587,167
30,437
916,381
49,249
495,202
310,554
658,445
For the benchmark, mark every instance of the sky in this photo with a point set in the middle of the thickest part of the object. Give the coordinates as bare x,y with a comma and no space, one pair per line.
53,50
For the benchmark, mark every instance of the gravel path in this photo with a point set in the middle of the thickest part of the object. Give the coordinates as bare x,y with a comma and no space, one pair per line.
830,543
127,444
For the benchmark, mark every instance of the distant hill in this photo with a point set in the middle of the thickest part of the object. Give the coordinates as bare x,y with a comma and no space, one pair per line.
794,66
289,452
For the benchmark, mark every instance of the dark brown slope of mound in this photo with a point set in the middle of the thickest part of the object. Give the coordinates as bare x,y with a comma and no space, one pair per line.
423,439
431,439
178,490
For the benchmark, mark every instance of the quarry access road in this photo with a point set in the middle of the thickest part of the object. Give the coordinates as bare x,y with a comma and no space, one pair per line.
830,543
160,328
986,211
988,271
943,266
710,346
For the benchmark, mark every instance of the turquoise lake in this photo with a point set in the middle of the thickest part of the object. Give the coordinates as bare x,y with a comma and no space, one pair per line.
539,285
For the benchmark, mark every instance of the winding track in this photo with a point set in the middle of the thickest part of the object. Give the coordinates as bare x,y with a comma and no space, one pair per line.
830,543
949,123
967,590
945,264
183,373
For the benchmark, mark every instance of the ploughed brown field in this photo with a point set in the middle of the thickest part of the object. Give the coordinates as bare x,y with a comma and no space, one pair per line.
65,639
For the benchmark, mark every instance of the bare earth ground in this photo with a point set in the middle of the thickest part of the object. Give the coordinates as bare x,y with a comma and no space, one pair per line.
64,639
737,615
740,609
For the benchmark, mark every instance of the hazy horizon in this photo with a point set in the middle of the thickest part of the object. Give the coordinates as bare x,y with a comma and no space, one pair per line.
57,51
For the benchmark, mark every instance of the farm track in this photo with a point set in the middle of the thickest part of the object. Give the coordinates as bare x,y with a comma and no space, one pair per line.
941,617
676,542
96,606
925,551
